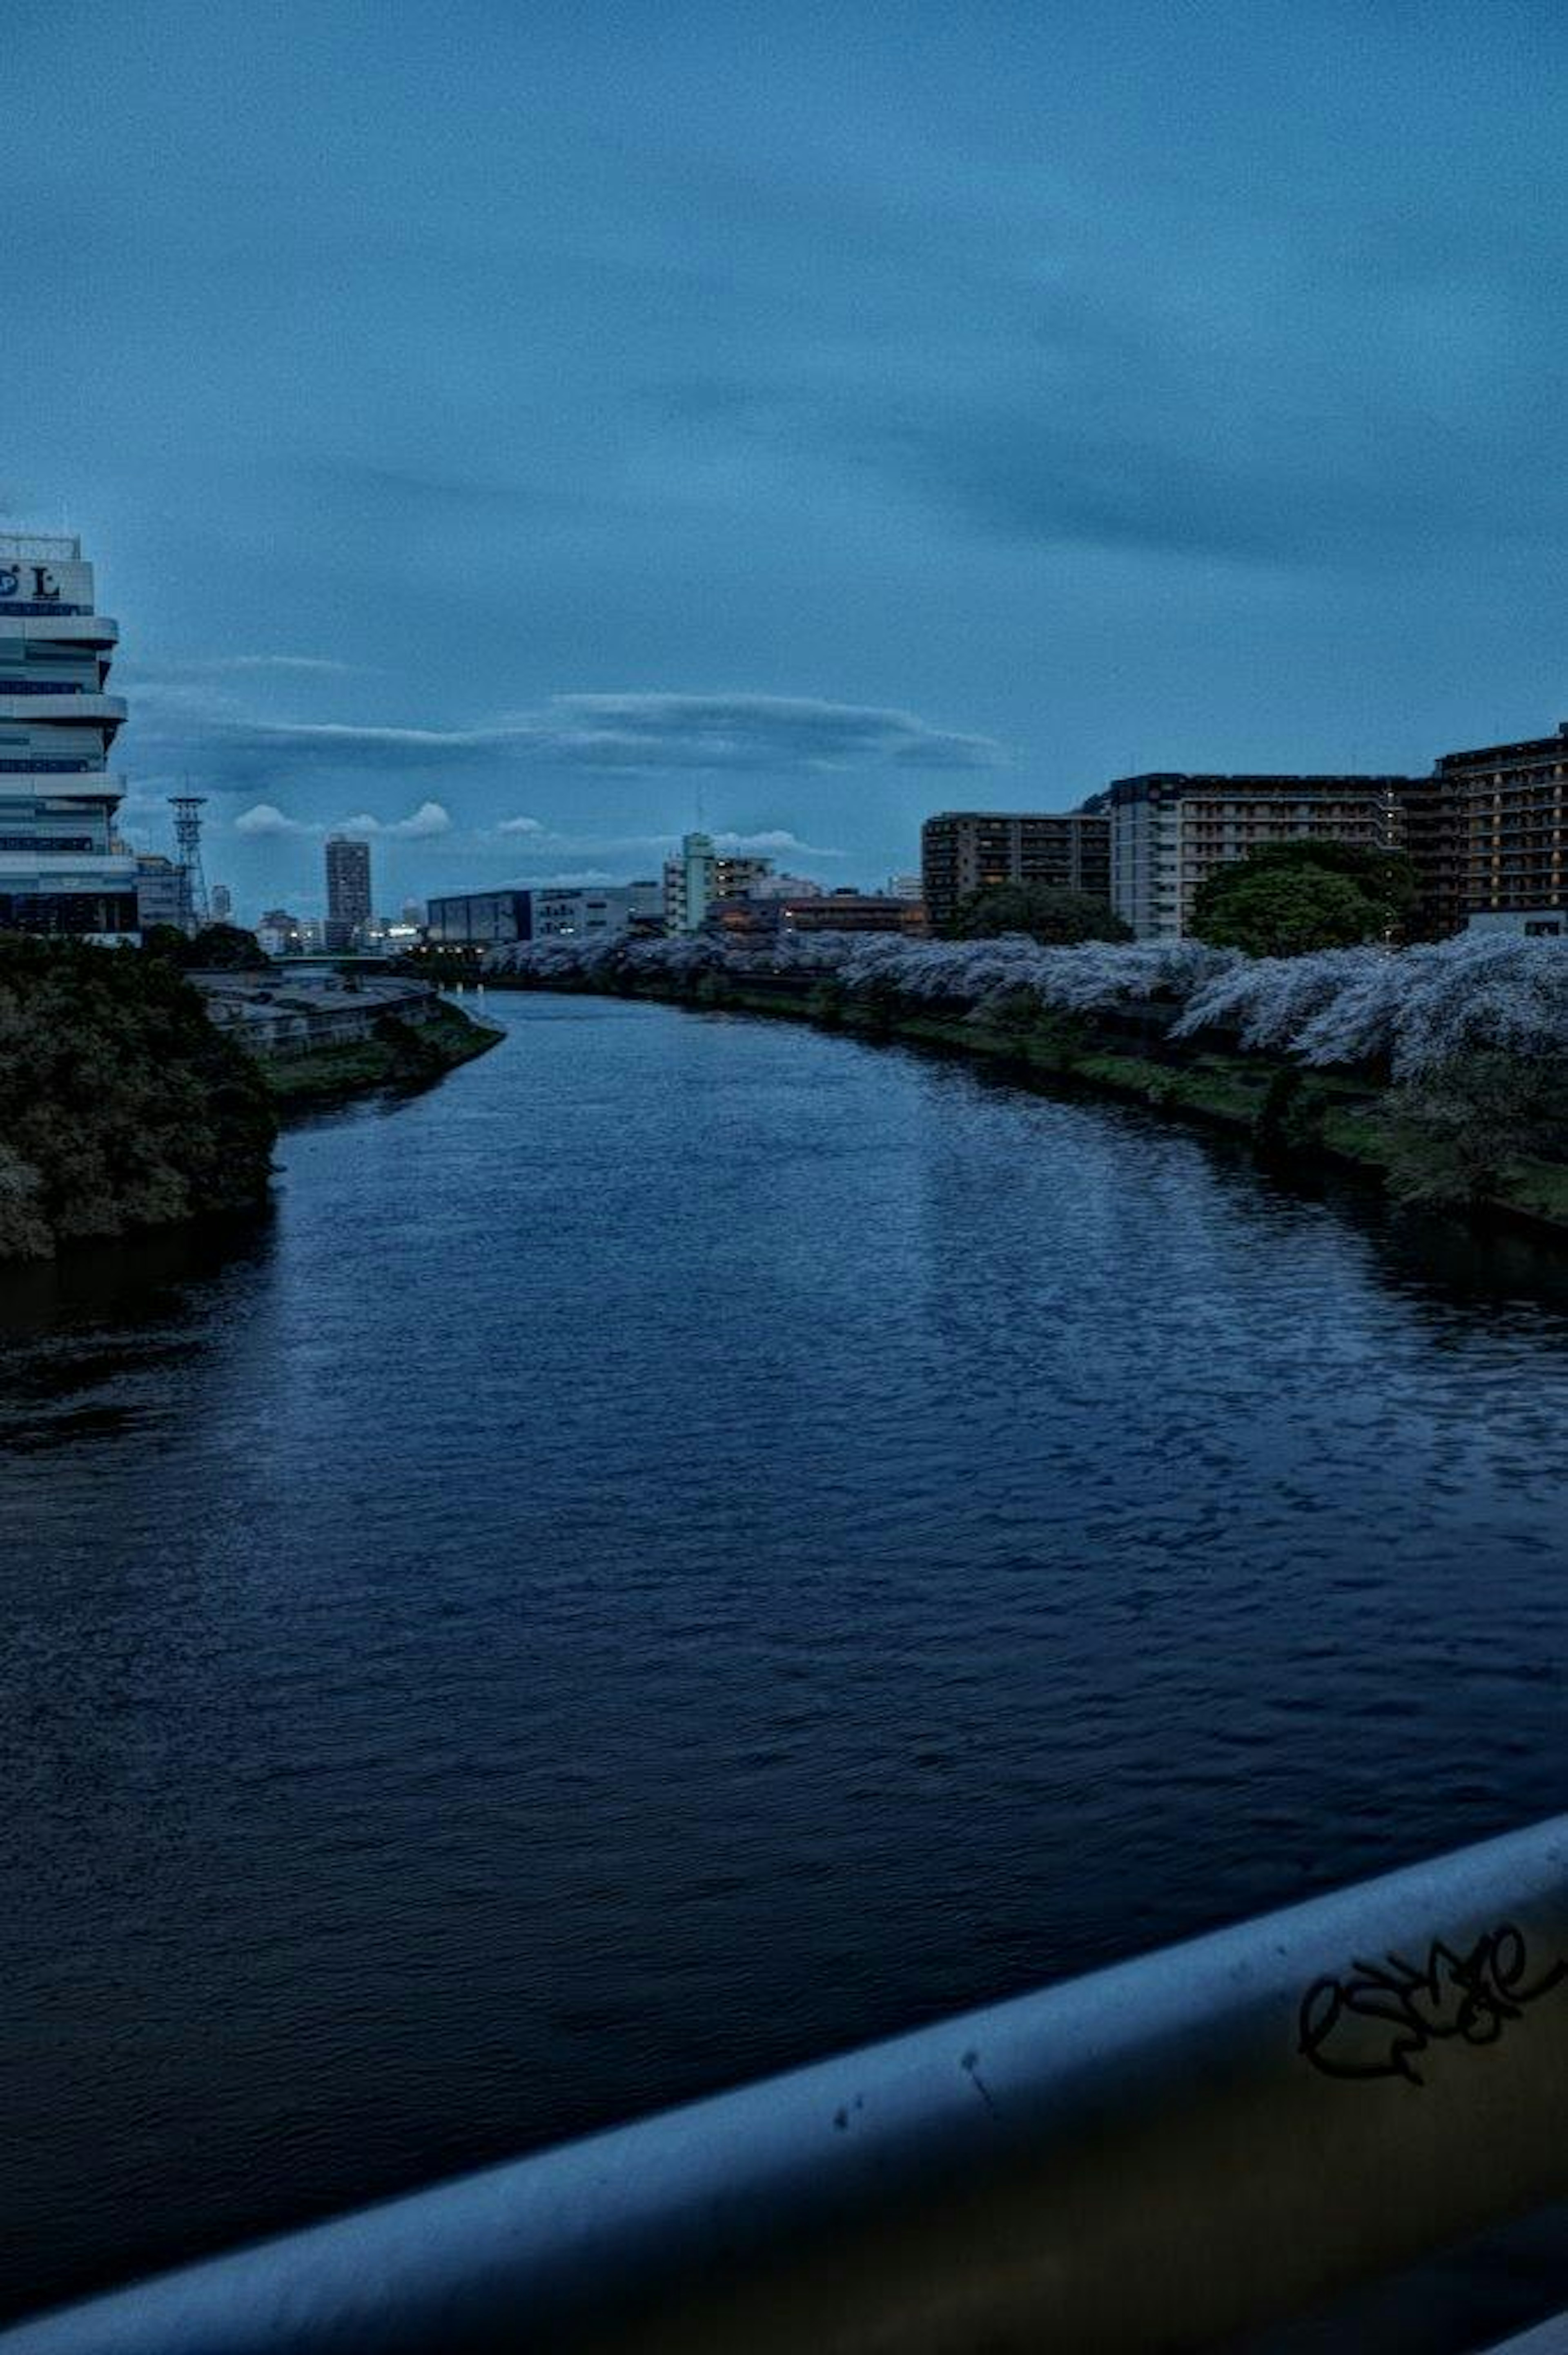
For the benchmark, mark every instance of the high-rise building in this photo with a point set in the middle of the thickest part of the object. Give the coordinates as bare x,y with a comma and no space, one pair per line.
963,851
62,868
222,904
702,874
1494,848
348,889
1170,830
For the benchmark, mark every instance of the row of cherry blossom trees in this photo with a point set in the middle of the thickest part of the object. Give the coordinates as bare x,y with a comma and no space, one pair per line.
1407,1011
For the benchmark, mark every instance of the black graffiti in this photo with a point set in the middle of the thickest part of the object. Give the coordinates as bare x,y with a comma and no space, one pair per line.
1468,1996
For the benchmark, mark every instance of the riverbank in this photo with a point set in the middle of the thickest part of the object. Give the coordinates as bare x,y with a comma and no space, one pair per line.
1292,1115
398,1057
134,1099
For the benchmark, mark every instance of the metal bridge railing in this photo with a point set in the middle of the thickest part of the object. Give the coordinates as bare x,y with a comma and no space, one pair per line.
1149,2157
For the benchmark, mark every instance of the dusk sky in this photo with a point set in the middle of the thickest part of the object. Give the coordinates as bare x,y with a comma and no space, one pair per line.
521,426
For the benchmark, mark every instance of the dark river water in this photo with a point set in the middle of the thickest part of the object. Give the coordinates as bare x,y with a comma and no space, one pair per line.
694,1543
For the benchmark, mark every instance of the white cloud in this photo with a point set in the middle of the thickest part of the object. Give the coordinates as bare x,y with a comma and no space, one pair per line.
266,818
775,838
429,818
544,840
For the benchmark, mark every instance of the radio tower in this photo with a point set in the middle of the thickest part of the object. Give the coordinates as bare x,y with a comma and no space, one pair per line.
187,809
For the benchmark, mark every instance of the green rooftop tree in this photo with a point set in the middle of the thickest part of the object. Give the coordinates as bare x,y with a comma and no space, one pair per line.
1045,911
1288,899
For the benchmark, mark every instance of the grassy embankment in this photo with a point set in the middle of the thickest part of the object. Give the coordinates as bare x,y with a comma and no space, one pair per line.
1290,1115
402,1057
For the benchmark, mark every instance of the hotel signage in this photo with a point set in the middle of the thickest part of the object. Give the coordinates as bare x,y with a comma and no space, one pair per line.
37,585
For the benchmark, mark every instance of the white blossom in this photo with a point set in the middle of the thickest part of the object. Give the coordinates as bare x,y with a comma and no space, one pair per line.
1406,1010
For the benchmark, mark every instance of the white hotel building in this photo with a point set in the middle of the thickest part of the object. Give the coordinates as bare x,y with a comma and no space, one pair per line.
62,867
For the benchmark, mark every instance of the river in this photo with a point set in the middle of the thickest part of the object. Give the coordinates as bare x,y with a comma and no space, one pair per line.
699,1542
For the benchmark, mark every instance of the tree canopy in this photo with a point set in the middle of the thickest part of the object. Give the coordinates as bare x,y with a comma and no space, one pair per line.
216,948
1289,898
121,1105
1043,912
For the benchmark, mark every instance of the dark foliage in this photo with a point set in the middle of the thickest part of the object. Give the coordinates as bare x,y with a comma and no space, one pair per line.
1042,911
216,948
121,1106
1291,898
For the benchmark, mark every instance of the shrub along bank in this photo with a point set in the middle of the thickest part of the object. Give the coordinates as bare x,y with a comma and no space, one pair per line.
1441,1070
121,1106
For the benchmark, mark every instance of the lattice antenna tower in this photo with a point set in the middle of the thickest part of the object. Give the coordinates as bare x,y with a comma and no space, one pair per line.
187,809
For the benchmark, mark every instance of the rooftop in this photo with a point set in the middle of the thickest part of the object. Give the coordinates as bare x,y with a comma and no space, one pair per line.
59,548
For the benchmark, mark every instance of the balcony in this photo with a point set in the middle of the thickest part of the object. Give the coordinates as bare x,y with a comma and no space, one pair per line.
79,705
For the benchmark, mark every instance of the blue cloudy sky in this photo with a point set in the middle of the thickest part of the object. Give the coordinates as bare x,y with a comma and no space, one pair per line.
514,428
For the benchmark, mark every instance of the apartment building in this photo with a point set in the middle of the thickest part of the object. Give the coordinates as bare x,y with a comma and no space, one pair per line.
1499,837
1170,830
963,851
700,874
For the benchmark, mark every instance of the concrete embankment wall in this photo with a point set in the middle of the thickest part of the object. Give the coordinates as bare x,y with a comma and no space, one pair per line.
291,1022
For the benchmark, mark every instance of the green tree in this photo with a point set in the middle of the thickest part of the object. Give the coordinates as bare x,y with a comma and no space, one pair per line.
1288,899
216,948
1047,913
121,1105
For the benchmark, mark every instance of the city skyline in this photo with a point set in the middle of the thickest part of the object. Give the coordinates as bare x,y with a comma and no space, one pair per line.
791,436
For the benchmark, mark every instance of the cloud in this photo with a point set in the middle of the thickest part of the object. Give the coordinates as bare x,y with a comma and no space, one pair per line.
545,842
181,677
319,663
265,818
775,840
431,818
622,735
757,731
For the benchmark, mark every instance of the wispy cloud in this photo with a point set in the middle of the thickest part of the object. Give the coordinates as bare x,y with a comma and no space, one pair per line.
320,663
542,841
190,672
610,734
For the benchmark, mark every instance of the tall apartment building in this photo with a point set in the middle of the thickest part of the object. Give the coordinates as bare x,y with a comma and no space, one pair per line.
348,889
62,868
1169,830
1496,842
699,875
478,920
972,850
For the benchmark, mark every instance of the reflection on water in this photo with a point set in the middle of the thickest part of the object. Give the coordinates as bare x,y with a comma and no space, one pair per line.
694,1543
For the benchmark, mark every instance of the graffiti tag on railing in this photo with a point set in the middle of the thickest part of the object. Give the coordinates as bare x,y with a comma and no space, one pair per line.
1380,2017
